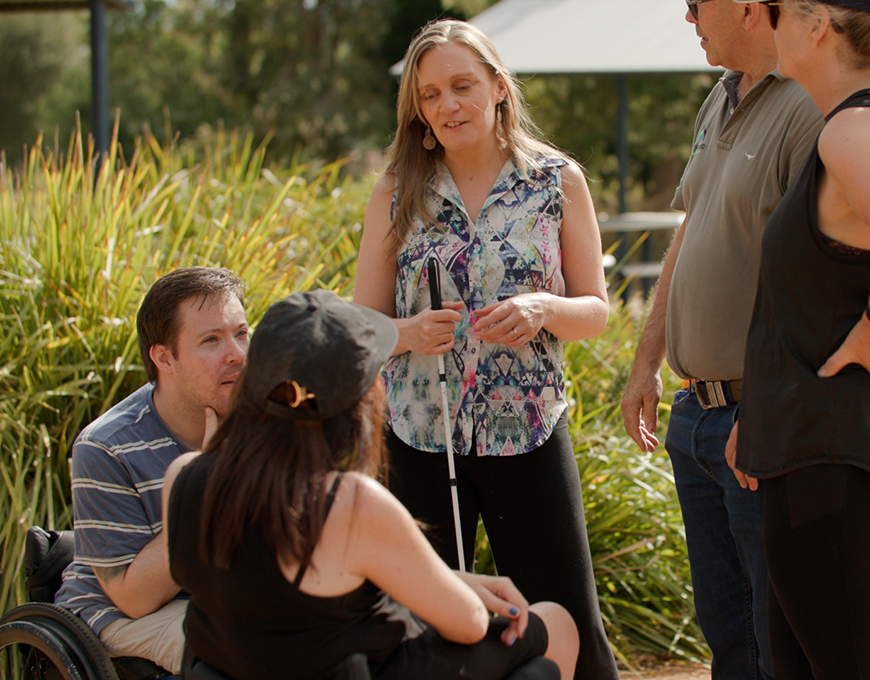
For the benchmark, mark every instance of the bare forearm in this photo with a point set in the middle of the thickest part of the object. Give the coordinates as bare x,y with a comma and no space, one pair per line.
146,585
644,389
652,348
571,319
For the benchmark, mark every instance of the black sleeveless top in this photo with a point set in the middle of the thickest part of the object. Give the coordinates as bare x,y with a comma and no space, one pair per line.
250,622
810,295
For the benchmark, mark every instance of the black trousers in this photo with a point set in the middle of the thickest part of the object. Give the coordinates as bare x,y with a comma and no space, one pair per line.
430,657
817,542
532,508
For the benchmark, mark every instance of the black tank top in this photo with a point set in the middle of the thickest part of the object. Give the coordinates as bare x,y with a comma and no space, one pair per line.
810,295
250,622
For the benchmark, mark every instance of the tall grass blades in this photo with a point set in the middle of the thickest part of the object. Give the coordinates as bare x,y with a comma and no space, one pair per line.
632,513
79,249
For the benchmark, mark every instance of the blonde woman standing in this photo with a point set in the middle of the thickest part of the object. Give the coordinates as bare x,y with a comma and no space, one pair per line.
509,223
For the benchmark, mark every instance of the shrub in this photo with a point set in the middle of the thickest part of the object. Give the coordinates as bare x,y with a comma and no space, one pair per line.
78,250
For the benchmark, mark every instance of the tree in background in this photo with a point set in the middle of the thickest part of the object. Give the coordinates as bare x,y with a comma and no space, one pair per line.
310,71
314,75
36,51
578,114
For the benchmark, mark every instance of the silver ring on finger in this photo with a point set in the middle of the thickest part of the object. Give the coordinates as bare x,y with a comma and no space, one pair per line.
516,335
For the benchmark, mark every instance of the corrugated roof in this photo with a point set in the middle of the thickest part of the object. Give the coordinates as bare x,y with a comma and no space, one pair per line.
58,5
592,36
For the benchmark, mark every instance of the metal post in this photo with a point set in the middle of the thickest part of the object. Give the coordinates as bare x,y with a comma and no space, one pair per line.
622,137
99,76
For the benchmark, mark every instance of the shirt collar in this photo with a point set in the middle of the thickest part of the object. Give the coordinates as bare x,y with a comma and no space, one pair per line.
510,175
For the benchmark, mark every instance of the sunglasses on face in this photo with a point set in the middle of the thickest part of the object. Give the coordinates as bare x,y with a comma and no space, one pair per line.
693,6
773,7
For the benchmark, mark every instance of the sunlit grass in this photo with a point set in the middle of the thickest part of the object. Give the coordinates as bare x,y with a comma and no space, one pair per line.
77,253
79,249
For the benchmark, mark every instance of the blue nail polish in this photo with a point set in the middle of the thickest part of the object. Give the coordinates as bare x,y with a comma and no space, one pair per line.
511,642
514,611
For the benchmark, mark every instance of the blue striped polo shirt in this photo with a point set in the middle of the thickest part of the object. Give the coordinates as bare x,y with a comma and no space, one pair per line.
118,463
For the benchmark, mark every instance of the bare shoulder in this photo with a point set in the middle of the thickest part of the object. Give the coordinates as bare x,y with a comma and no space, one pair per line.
574,184
368,494
371,507
572,174
384,187
843,144
176,466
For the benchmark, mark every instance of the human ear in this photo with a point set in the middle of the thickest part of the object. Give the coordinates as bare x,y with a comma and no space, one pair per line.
752,14
162,357
819,28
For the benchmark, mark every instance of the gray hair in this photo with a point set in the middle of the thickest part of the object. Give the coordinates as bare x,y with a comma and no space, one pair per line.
853,24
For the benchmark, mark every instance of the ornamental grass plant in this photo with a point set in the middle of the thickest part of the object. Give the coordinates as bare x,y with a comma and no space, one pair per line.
79,249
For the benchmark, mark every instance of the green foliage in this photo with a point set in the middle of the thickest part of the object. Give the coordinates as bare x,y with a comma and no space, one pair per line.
78,253
578,113
35,54
632,513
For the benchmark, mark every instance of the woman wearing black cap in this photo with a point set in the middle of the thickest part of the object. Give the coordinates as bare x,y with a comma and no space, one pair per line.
805,411
295,558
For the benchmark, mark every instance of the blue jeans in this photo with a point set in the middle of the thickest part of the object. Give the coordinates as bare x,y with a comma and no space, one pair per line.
723,533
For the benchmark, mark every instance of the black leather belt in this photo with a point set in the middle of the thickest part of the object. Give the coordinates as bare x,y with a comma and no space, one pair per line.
716,393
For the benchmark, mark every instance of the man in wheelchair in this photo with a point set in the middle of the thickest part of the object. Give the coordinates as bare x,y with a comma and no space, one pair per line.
193,339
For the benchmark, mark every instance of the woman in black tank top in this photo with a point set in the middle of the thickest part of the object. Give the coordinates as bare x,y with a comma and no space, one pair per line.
804,427
295,558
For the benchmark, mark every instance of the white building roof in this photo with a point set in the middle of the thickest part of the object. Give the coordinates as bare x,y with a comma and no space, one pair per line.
593,36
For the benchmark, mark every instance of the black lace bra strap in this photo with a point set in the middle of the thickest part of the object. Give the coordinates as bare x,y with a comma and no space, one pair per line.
330,497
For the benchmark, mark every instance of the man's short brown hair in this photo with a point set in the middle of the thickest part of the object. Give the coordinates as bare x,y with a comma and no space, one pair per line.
157,320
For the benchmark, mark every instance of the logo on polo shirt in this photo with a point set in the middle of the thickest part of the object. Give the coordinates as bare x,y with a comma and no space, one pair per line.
699,144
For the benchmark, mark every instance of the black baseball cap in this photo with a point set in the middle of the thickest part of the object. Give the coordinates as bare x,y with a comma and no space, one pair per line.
330,351
857,5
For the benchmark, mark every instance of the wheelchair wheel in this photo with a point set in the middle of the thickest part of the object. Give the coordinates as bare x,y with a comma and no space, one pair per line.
52,643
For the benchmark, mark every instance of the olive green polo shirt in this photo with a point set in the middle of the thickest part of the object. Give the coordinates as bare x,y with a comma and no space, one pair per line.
743,156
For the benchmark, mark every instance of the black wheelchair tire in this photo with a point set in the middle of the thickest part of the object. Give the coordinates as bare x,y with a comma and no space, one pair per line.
60,636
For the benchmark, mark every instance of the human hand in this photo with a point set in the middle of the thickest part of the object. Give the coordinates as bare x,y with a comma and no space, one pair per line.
211,425
514,321
640,407
431,331
500,596
854,350
743,479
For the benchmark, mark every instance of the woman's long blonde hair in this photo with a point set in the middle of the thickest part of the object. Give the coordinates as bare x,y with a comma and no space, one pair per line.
412,165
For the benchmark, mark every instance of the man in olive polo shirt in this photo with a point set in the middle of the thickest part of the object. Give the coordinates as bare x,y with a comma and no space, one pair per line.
751,136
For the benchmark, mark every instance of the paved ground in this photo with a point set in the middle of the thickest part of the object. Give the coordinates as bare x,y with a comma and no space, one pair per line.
668,673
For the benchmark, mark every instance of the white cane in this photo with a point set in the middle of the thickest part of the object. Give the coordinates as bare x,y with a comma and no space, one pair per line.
435,297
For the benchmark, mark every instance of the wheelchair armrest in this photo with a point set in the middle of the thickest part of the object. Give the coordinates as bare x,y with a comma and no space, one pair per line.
46,555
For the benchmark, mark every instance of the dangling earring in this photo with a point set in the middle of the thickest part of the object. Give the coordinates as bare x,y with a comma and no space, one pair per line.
498,108
429,141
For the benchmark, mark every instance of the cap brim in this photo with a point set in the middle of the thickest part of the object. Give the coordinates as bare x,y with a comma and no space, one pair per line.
386,332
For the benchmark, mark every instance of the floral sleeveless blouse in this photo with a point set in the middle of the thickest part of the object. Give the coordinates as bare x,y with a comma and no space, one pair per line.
505,399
